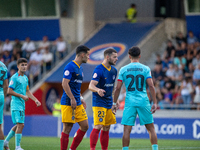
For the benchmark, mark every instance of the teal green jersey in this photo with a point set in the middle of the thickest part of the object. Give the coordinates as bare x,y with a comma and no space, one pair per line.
3,76
19,84
134,77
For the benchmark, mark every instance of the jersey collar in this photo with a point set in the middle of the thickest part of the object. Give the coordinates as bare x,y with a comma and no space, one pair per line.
19,74
76,63
106,67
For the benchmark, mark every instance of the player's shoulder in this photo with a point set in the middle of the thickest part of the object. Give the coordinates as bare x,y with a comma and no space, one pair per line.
14,76
100,66
3,66
124,68
145,67
69,66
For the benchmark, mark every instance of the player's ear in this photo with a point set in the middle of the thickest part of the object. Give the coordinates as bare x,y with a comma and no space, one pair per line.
129,56
139,56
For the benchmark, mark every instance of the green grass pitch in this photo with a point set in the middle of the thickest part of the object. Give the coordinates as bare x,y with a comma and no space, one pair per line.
49,143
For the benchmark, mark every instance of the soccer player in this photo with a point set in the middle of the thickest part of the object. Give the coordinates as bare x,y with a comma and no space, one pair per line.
3,92
18,88
102,85
135,76
72,103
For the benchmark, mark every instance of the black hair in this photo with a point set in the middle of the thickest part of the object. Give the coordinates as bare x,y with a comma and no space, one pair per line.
82,49
21,60
134,51
133,5
109,51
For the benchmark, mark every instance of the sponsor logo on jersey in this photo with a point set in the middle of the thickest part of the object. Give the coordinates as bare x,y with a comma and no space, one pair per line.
78,81
109,85
97,52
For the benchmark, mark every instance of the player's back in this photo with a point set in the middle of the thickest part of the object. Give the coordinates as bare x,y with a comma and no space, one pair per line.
134,77
3,75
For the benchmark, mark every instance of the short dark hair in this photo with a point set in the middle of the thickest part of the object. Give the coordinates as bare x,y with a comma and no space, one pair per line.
133,5
82,49
134,51
21,60
109,51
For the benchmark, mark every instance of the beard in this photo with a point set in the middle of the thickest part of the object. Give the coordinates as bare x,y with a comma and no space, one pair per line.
111,63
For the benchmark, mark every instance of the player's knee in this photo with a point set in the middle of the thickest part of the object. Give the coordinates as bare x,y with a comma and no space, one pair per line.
85,127
98,127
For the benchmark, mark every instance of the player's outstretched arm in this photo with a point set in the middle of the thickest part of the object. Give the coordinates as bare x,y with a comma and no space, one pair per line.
153,94
5,87
93,88
13,93
31,96
65,85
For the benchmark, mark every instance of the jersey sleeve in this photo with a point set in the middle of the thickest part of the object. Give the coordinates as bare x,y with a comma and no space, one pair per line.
120,77
68,72
96,74
12,83
148,73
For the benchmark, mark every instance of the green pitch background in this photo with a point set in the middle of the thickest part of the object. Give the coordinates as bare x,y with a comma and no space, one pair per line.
49,143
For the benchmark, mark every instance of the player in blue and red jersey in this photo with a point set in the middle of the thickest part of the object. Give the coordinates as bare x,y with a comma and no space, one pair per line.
72,103
102,85
135,76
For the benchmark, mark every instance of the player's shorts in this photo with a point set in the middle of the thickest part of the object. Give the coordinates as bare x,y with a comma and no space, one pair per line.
103,116
69,116
130,113
1,108
18,116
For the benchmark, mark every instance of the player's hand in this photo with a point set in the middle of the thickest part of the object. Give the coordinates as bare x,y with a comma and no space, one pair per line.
73,103
153,108
114,109
84,103
37,103
101,92
25,98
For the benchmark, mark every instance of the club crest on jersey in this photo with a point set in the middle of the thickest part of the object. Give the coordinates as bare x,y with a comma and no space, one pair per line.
66,73
113,77
100,119
11,82
95,75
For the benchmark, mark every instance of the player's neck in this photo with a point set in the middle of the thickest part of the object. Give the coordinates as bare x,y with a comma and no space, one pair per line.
134,60
78,61
106,64
20,73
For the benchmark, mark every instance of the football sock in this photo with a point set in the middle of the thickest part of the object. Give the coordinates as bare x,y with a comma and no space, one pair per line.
104,139
18,138
94,138
64,141
1,144
10,135
125,148
154,147
77,139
